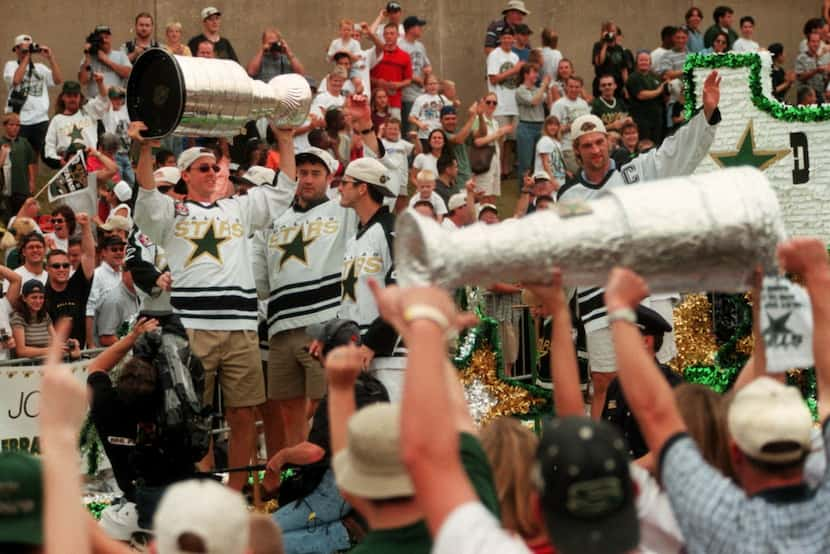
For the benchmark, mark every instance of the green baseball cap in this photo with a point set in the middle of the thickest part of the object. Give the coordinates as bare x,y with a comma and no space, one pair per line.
21,499
71,87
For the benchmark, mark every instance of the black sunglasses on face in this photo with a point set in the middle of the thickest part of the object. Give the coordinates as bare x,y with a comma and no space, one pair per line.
204,168
60,266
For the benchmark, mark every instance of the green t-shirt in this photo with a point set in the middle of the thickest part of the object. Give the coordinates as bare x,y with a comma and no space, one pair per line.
609,114
22,156
415,539
644,109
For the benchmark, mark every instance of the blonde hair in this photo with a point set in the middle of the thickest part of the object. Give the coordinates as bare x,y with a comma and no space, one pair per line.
348,22
21,227
511,449
173,25
425,175
704,413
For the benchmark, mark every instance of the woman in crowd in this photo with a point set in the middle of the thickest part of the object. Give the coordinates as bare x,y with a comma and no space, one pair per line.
720,44
549,152
32,327
63,222
694,17
437,148
380,107
174,44
530,100
645,93
486,132
511,450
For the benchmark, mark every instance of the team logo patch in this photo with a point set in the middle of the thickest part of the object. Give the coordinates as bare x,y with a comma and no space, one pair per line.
181,209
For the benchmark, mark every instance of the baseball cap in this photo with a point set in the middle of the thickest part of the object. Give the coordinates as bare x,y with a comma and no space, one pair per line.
190,155
456,201
581,472
393,7
116,92
334,333
650,322
112,240
770,422
516,5
368,170
370,466
314,154
103,29
212,512
413,21
209,11
541,176
123,191
523,29
20,39
448,110
483,207
21,495
32,286
169,175
584,124
255,176
30,237
71,87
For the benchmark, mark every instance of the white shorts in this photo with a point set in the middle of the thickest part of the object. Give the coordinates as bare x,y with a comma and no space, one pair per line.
601,357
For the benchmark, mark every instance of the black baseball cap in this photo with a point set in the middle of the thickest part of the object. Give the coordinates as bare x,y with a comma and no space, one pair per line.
32,286
334,333
448,110
112,240
523,29
393,7
587,497
413,21
650,322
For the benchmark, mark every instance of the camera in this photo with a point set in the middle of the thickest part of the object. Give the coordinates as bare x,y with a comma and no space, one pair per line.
95,43
609,37
34,48
4,336
16,100
276,47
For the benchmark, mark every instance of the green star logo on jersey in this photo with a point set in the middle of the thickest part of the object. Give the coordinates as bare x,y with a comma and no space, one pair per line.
76,134
348,283
206,245
747,154
295,248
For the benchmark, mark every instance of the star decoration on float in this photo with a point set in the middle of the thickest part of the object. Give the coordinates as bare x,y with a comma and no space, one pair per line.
747,153
348,283
206,245
296,248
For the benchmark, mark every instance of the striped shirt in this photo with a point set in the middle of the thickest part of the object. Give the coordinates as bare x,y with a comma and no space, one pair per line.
37,334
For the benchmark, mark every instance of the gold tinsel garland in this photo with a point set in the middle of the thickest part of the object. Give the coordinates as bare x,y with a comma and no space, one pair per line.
696,343
510,399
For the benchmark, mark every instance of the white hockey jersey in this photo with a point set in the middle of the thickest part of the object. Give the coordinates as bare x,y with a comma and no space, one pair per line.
209,253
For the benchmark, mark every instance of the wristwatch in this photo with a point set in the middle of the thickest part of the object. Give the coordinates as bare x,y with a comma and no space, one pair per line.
623,314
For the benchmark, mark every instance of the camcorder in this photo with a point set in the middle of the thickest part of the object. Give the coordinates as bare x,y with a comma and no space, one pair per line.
34,48
95,43
277,47
609,37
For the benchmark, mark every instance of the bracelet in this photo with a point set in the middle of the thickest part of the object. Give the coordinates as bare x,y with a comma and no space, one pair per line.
623,314
430,313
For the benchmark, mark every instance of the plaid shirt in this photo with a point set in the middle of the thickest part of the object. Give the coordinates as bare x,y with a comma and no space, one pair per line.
716,515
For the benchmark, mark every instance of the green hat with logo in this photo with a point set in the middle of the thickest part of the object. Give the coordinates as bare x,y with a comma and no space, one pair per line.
71,87
21,499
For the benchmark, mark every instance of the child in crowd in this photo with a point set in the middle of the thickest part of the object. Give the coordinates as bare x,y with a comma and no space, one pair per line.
425,192
426,110
745,43
450,93
549,151
345,42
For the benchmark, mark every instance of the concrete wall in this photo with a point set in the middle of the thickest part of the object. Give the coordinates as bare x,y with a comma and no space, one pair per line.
453,37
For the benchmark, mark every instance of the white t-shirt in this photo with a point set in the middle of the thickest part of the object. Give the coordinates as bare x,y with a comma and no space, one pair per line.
427,108
659,531
36,108
552,148
361,69
26,275
745,45
471,529
550,61
435,199
499,61
426,161
104,279
567,111
337,45
656,55
396,160
60,244
325,101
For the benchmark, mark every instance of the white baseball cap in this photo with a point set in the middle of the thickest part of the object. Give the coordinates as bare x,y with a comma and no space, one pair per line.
456,201
541,176
585,124
212,512
209,11
320,155
368,170
20,39
123,191
770,422
482,207
256,175
167,174
190,155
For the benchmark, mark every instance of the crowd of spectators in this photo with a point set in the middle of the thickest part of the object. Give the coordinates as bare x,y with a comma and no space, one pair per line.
252,279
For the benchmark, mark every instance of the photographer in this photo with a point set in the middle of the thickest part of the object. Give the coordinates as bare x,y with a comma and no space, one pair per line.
274,58
28,84
609,58
99,57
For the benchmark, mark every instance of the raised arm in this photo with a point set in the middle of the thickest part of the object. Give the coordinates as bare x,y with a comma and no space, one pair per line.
15,282
87,245
107,359
648,394
807,257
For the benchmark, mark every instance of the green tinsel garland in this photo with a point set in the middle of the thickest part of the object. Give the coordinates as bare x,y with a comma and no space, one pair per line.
776,109
90,446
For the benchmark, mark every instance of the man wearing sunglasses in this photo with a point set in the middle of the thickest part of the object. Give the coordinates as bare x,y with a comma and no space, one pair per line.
213,289
66,292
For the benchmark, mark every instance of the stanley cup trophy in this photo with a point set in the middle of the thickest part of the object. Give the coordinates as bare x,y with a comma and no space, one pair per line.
204,97
703,232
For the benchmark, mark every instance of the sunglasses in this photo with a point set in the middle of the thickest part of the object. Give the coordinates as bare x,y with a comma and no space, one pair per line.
164,189
491,102
204,168
116,248
57,220
60,266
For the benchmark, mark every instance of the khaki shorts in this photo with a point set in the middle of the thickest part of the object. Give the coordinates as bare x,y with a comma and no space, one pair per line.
237,354
601,355
503,121
292,371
